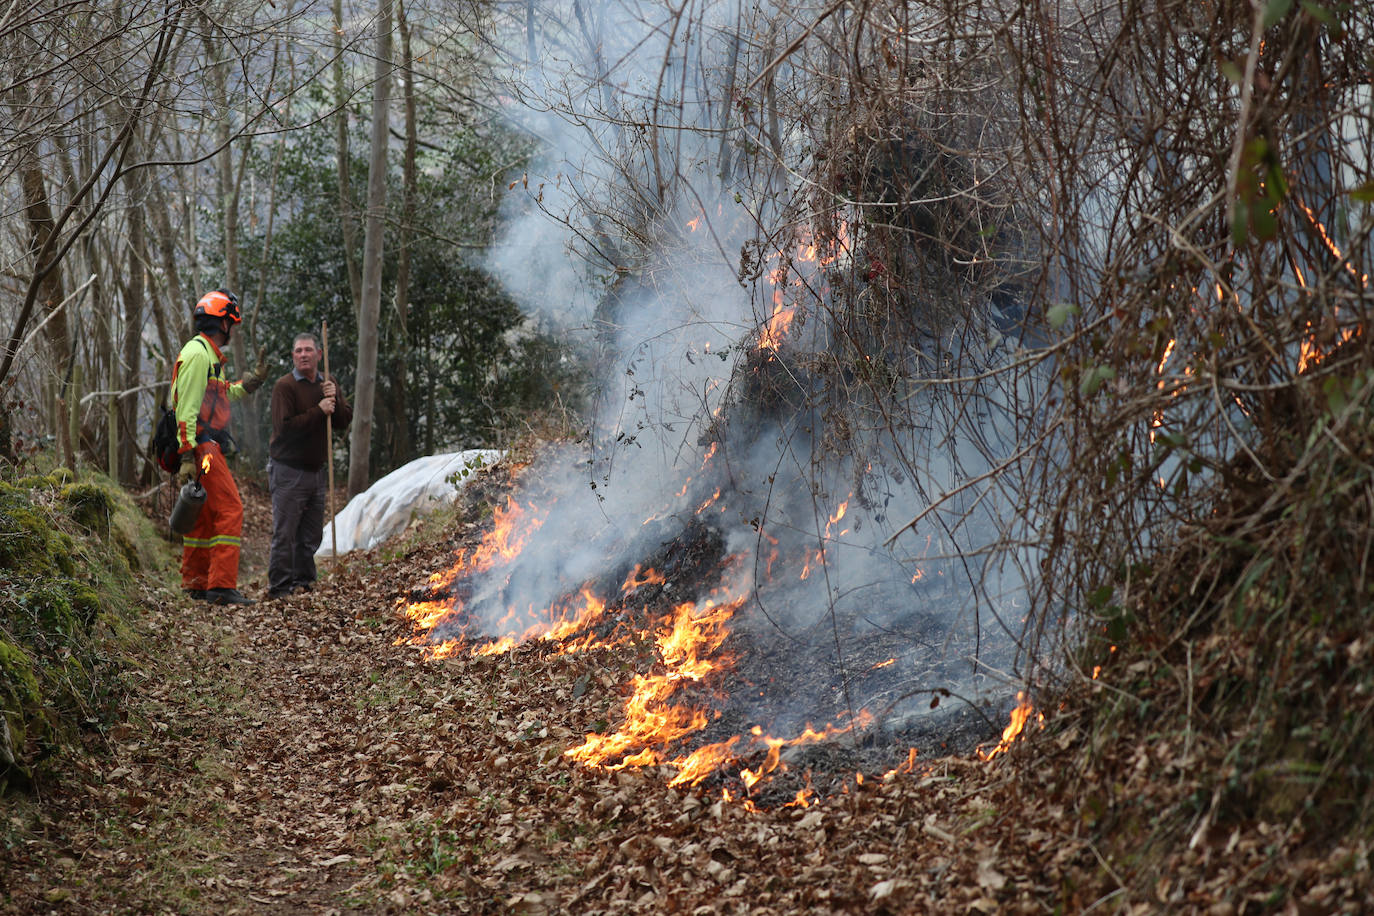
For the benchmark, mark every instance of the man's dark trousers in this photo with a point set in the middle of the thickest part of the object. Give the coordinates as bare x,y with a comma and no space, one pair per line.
298,499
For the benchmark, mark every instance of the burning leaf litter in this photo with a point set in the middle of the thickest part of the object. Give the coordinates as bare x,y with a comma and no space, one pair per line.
682,711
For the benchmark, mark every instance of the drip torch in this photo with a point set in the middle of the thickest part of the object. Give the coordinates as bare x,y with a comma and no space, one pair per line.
188,504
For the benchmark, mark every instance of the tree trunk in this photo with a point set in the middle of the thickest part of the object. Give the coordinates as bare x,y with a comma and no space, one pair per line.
170,331
400,423
229,214
50,290
346,224
134,301
360,441
167,253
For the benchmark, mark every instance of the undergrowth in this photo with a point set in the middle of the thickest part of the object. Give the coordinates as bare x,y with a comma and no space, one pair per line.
1241,658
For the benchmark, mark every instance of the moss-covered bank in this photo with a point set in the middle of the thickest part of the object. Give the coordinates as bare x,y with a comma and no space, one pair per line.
70,548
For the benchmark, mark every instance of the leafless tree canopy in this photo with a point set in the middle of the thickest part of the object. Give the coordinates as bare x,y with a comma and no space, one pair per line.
1104,264
1104,261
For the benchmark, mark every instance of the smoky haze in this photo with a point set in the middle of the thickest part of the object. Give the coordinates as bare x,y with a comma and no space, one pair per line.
637,240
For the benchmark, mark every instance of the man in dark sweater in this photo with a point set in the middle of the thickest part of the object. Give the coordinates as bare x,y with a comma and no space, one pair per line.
301,400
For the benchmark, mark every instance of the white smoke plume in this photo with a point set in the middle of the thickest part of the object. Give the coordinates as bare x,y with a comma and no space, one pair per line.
626,232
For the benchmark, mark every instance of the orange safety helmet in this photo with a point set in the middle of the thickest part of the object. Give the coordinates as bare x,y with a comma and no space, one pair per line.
219,303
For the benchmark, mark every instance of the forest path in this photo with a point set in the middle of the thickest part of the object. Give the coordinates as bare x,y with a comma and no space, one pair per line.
231,784
291,757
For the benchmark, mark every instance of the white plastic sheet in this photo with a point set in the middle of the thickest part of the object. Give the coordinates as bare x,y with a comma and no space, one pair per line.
388,506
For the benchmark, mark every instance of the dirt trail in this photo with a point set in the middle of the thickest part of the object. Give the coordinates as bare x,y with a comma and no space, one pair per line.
292,758
289,757
227,787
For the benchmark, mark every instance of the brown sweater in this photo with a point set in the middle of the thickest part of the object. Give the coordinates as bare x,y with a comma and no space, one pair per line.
298,427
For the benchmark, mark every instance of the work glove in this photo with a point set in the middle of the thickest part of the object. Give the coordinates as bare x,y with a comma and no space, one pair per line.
186,471
253,380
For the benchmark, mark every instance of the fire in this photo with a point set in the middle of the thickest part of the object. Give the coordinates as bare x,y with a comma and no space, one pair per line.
1019,717
1310,352
669,705
835,520
770,763
707,504
1163,360
205,464
906,767
635,581
1330,245
775,328
1157,420
513,524
657,715
652,718
809,252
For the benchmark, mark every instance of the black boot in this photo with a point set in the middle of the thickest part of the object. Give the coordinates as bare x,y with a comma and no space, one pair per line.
226,596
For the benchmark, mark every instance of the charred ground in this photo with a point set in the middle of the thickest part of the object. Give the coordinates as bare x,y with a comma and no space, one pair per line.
889,677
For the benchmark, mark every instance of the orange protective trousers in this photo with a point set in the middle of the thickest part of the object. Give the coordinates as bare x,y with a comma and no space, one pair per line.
210,552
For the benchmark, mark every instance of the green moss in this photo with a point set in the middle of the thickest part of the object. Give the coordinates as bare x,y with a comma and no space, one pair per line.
25,538
17,679
20,697
90,505
68,548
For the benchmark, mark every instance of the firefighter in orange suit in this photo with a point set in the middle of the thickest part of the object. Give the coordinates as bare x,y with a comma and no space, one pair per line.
201,397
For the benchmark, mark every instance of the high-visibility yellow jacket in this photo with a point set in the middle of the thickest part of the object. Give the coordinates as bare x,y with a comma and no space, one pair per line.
200,394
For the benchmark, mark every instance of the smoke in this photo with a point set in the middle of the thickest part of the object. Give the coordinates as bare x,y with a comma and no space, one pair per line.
631,231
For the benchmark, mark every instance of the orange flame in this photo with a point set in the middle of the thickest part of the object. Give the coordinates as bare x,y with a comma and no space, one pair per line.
1019,717
775,328
906,767
665,705
1330,245
635,581
205,464
652,719
835,519
513,524
1310,352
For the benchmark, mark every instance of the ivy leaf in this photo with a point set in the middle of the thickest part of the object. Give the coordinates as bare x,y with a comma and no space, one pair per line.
1060,314
1364,193
1240,224
1094,378
1276,10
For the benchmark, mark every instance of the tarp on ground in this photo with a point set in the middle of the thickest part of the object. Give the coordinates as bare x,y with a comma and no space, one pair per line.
389,505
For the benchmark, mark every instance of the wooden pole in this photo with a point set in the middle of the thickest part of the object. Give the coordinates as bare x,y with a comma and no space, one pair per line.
329,446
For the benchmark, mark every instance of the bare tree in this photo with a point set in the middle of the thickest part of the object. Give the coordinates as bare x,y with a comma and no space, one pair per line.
84,83
347,222
360,435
